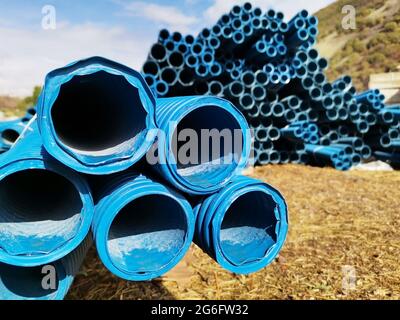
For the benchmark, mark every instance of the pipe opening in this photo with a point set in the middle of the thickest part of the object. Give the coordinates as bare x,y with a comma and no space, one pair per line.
236,88
225,19
164,34
186,77
161,88
247,238
217,150
31,111
40,211
191,61
262,77
215,88
236,23
21,283
274,133
176,59
258,92
177,36
248,78
246,101
151,67
158,52
150,80
189,39
170,45
9,136
147,234
262,134
182,48
214,42
99,112
207,58
238,37
201,70
197,48
385,141
257,12
205,33
169,75
216,69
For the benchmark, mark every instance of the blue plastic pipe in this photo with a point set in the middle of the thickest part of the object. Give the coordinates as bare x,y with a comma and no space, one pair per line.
142,228
25,283
45,208
96,116
241,242
196,114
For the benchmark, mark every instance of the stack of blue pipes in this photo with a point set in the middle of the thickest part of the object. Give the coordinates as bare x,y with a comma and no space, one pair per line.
99,163
271,71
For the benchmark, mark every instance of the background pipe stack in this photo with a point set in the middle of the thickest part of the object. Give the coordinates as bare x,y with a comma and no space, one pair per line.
83,167
269,69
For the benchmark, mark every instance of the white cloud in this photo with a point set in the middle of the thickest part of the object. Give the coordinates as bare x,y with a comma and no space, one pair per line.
288,7
27,55
167,16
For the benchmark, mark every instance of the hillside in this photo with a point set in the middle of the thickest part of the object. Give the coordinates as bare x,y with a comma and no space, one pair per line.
374,46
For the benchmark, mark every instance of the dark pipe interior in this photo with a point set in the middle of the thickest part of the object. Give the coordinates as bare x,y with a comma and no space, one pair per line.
164,34
186,76
151,67
201,87
168,75
176,59
18,283
247,237
39,211
9,136
162,88
147,234
97,112
158,52
194,165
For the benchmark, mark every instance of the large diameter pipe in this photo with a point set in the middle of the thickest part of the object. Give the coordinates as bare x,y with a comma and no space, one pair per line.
241,242
46,208
26,283
187,123
96,116
142,228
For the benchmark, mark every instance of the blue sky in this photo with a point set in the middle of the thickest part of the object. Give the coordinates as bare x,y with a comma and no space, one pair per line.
118,29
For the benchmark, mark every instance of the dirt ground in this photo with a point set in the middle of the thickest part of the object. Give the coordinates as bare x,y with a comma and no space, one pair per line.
343,243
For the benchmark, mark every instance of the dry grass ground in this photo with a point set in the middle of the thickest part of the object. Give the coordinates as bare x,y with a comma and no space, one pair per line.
337,219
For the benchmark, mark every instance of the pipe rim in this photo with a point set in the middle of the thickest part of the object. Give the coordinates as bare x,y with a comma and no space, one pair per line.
86,213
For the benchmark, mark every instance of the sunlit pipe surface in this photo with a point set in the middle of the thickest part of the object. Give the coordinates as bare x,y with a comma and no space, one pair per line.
238,241
26,283
45,208
142,228
201,175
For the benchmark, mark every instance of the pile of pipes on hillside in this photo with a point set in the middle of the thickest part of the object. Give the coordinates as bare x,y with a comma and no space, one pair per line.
79,172
269,69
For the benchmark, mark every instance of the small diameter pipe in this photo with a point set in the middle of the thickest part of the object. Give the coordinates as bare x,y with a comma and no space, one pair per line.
25,283
203,173
142,228
151,67
46,208
240,242
96,116
175,59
